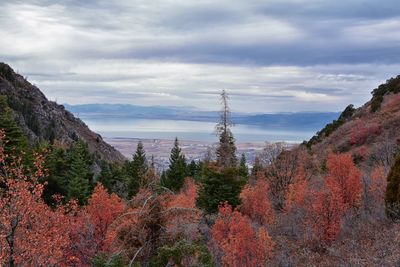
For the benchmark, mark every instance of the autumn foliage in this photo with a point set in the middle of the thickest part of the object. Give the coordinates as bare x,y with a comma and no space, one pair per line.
181,214
239,243
298,192
325,217
362,131
378,184
167,228
152,219
30,232
344,179
90,229
341,193
256,204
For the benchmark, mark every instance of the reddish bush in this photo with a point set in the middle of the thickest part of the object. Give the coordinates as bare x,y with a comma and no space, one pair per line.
256,203
377,186
239,242
181,215
298,192
362,131
90,232
344,179
325,217
31,234
362,153
392,103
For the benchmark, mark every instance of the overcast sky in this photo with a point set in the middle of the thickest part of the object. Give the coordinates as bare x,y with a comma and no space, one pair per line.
270,55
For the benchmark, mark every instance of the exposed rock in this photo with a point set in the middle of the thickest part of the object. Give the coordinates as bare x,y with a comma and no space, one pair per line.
44,120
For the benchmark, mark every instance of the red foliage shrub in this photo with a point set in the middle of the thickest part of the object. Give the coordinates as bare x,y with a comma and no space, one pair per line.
324,217
298,192
239,242
342,192
256,203
362,153
344,179
90,232
361,131
377,186
181,215
31,234
392,103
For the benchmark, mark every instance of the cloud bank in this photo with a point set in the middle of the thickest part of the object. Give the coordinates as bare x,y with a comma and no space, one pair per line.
271,56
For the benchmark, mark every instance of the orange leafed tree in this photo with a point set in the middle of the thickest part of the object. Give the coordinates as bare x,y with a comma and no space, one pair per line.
103,208
256,203
325,217
238,242
377,188
344,179
90,229
181,215
298,191
31,234
342,192
362,131
186,197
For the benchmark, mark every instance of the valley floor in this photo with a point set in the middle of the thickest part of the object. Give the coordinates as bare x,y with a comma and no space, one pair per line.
193,150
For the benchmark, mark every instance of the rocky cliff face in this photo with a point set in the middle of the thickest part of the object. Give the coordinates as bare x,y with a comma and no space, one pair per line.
44,120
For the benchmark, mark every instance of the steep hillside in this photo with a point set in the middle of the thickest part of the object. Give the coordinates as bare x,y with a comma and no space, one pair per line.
367,131
44,120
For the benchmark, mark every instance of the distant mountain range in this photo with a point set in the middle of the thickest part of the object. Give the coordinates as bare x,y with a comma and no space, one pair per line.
278,121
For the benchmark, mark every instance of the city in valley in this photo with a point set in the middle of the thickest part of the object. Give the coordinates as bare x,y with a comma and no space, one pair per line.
160,149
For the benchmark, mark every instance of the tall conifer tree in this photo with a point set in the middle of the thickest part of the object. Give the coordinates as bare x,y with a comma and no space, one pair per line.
138,170
79,175
15,139
175,175
243,170
226,150
224,182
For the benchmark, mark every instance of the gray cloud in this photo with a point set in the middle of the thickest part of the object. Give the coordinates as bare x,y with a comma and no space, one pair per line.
270,55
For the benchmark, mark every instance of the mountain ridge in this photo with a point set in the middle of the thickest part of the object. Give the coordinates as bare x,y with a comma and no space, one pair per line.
44,120
281,120
368,132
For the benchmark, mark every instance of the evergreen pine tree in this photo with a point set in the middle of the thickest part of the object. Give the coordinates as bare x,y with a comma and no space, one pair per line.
192,169
224,182
392,196
217,187
79,174
15,139
138,170
226,150
58,173
175,175
113,177
69,172
106,175
243,170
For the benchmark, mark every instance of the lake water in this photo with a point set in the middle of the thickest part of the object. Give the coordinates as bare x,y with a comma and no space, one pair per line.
187,130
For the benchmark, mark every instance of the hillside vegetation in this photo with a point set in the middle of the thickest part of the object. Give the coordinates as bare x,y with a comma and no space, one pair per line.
332,201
